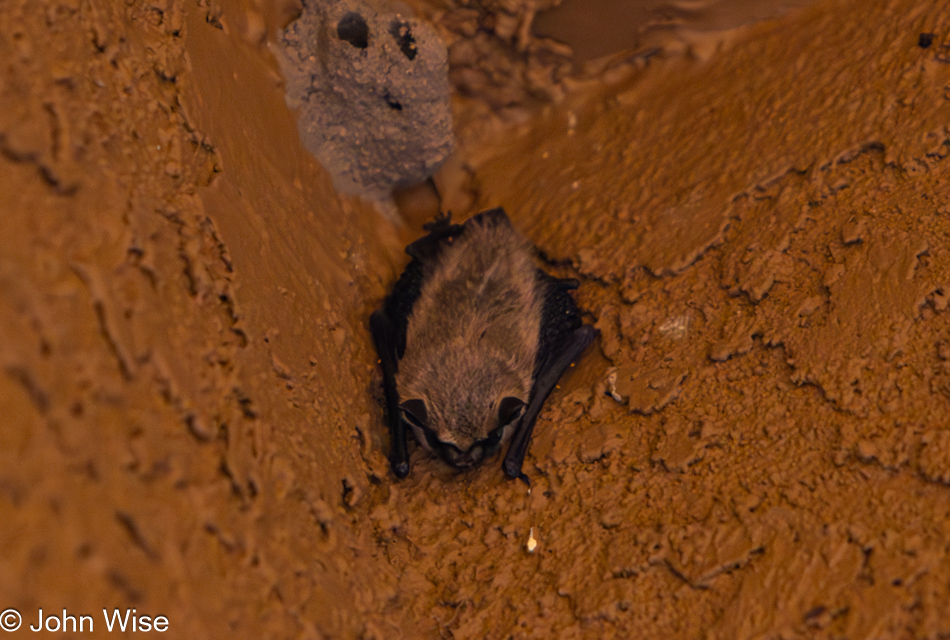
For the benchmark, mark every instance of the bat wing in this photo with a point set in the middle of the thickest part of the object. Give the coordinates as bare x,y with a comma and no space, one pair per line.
562,340
550,369
386,346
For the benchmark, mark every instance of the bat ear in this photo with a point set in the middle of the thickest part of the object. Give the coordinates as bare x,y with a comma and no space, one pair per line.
417,411
509,409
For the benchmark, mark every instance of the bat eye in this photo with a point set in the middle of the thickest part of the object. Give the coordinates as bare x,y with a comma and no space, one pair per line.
415,412
493,438
509,410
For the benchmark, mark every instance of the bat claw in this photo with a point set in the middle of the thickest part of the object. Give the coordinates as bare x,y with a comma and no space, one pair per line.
568,284
442,221
514,472
400,469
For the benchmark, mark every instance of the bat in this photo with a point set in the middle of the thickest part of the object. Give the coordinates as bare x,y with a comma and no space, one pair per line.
472,339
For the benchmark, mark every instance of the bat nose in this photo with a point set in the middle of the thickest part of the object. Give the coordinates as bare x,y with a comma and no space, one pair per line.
466,459
474,455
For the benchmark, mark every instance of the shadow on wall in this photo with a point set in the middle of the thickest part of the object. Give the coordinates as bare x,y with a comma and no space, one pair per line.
619,25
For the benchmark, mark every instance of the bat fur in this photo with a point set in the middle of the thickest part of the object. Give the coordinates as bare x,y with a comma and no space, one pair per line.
466,334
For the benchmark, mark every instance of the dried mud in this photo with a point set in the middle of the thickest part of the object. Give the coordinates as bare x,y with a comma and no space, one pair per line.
757,446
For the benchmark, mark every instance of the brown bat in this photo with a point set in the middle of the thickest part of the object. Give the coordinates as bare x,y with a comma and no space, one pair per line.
472,339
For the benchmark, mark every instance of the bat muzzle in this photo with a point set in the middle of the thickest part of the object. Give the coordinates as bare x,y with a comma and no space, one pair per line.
466,459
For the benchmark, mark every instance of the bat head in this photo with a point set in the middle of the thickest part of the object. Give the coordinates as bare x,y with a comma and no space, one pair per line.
466,423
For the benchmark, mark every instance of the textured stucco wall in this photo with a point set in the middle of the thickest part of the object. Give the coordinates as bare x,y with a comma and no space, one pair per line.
190,417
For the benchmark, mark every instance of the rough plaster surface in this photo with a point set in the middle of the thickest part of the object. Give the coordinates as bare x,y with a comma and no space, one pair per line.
191,415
